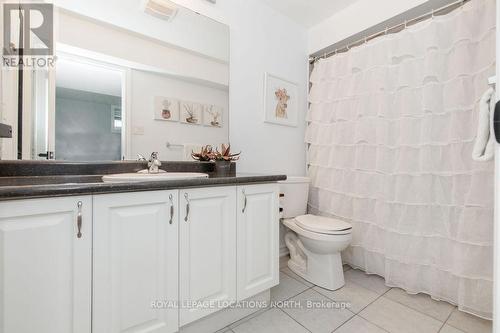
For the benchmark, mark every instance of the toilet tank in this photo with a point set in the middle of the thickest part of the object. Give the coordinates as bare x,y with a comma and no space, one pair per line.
296,192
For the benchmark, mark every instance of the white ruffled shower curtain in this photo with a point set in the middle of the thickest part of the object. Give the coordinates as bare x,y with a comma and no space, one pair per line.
390,134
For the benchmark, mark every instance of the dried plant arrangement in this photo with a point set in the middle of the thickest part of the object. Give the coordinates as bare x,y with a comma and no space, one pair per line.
205,155
225,154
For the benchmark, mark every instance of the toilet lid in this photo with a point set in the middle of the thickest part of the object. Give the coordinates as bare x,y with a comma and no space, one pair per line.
320,224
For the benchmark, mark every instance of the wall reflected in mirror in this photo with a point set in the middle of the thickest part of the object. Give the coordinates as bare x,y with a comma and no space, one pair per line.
88,123
127,81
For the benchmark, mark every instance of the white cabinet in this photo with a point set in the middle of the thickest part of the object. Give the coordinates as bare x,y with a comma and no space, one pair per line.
136,262
140,254
45,268
258,239
207,250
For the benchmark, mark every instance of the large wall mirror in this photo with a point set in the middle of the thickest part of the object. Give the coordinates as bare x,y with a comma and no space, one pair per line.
131,77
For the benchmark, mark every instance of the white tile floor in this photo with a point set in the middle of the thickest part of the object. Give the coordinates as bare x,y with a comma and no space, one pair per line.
375,308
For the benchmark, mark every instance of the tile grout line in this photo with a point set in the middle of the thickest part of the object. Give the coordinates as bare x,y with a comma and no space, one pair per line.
282,270
446,321
249,317
385,292
380,296
376,299
409,307
313,285
311,288
289,298
405,307
359,313
348,320
294,319
355,315
425,314
270,307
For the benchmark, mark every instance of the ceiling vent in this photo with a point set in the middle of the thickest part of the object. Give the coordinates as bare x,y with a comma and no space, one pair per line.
162,9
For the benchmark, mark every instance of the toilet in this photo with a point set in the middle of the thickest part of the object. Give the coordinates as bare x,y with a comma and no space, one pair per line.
314,242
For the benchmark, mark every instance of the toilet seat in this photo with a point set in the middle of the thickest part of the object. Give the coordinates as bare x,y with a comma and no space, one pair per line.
323,225
332,236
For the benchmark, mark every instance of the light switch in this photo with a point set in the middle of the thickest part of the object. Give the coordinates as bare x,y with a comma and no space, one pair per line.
138,130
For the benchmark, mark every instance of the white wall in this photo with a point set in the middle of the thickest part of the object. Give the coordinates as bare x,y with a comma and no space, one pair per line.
262,40
144,87
361,15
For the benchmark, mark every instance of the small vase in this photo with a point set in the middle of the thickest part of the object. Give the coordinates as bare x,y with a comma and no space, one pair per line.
222,168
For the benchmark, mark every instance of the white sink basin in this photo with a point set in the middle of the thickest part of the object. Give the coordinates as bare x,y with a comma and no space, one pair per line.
151,177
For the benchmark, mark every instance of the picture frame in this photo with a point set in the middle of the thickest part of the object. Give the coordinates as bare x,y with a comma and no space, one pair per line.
213,116
280,101
166,109
191,113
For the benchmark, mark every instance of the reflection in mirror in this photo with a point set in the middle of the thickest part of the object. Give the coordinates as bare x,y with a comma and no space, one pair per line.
88,111
40,121
127,81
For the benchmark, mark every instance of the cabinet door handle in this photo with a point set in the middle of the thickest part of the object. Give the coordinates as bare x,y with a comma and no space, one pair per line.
186,196
244,201
171,197
79,219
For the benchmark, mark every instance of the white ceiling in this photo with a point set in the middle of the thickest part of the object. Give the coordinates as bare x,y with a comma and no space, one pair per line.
309,12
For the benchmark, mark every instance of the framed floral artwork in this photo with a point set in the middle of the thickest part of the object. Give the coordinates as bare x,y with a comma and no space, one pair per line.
213,116
166,109
280,101
191,113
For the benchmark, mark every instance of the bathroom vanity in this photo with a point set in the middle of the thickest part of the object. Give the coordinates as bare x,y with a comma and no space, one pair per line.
134,257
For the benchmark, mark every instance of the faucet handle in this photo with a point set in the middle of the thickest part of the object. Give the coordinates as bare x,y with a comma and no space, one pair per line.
140,157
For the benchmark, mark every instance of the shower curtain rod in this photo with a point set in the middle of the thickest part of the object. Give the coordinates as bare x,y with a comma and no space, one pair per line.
395,28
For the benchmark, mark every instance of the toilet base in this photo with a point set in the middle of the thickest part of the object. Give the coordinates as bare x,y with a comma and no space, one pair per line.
325,271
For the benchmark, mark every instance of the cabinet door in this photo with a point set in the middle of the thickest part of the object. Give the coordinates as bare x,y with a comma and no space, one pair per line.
136,262
45,268
207,250
258,239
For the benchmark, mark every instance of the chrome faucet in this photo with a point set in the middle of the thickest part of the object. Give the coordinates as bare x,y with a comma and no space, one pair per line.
154,163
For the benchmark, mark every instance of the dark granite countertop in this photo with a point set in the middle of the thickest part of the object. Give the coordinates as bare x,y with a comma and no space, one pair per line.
15,188
40,179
